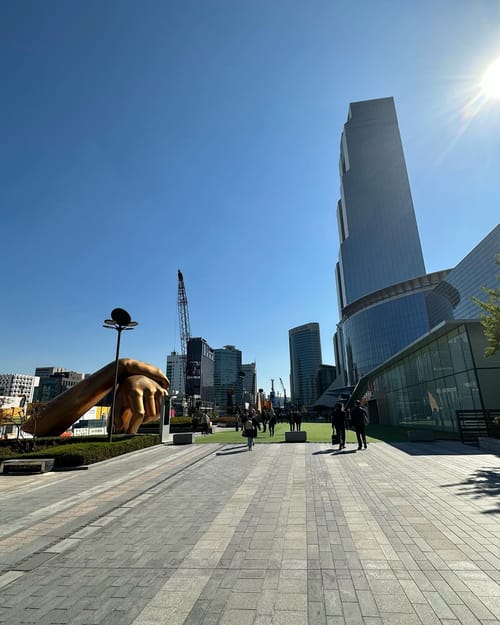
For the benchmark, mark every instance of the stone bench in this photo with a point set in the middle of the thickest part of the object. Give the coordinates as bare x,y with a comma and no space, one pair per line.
182,438
420,436
26,465
296,437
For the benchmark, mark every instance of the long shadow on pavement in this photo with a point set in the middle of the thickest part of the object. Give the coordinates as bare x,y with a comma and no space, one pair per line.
482,483
232,450
334,452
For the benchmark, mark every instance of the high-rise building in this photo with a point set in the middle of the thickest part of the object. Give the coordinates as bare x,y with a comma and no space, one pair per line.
228,387
176,373
249,382
380,274
200,370
305,360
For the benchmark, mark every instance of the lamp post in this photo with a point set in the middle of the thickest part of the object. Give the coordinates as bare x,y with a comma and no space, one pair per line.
120,320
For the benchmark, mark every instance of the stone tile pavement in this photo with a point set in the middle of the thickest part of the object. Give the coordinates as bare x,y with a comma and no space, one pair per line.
289,534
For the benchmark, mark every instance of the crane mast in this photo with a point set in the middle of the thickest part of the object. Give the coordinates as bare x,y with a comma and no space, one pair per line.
183,311
284,393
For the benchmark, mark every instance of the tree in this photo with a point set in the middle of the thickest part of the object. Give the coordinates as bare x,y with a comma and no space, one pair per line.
491,318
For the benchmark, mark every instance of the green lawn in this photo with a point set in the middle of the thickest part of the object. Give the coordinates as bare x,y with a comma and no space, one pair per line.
316,433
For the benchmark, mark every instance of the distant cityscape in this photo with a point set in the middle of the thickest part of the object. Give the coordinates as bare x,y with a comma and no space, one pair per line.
408,344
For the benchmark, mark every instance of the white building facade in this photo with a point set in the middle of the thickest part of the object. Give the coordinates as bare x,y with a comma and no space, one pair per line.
176,373
18,385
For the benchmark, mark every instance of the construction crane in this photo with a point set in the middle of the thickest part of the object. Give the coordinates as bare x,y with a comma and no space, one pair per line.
272,395
284,393
183,311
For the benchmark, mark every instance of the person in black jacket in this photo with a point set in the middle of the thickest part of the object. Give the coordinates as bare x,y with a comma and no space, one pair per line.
339,422
359,420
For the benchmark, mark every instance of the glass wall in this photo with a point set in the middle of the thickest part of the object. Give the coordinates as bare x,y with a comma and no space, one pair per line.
426,386
378,332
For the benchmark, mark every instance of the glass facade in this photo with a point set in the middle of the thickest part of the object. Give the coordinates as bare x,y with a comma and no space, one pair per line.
379,240
466,280
228,386
200,370
378,332
379,243
428,382
305,360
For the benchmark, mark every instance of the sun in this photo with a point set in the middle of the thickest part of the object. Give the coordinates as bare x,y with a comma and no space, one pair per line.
490,85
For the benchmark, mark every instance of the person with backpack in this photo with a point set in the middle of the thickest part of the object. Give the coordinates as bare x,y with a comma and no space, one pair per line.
359,419
339,423
250,431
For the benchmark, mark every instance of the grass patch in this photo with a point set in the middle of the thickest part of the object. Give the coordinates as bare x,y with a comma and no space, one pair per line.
316,433
320,433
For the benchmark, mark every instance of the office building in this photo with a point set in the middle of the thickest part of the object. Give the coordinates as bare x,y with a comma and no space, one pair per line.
249,383
176,373
380,274
200,371
228,382
305,360
445,370
18,385
452,297
54,381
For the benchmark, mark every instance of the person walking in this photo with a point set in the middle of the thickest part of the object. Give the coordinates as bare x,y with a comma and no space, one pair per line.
339,422
271,422
205,423
250,431
297,419
237,417
359,419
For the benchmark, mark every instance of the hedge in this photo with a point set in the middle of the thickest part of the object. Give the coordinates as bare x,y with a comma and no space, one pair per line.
73,454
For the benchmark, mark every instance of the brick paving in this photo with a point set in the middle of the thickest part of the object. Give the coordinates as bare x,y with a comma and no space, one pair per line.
288,534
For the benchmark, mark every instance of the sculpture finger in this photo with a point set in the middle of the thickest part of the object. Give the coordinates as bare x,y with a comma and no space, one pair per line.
149,405
160,397
136,402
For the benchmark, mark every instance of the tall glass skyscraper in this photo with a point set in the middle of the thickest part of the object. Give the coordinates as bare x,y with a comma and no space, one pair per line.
228,384
380,274
305,360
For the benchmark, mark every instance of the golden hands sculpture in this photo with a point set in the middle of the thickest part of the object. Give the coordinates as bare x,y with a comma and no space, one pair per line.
141,389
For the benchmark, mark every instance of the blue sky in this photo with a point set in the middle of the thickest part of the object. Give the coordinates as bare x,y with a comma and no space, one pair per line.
139,138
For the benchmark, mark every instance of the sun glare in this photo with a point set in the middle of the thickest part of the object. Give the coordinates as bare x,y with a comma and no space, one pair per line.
490,84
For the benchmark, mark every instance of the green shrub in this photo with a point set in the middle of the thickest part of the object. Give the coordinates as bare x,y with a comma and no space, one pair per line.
73,454
181,421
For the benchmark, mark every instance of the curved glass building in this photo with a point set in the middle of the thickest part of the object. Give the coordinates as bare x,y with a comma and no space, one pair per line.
380,274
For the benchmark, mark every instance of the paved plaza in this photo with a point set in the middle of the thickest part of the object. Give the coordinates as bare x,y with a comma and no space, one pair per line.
288,534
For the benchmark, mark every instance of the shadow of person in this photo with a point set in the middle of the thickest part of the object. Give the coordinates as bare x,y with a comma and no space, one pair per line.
232,451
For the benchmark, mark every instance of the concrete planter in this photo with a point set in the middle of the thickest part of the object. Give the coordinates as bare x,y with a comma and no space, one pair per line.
295,437
182,438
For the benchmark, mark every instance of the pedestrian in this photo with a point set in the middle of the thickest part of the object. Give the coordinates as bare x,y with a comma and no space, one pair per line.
264,419
359,419
250,431
237,419
297,419
272,422
339,422
291,422
205,423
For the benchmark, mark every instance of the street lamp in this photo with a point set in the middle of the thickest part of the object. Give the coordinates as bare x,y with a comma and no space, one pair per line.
120,320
